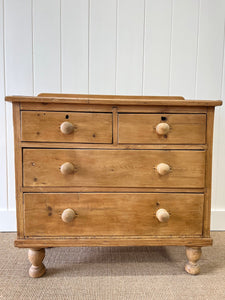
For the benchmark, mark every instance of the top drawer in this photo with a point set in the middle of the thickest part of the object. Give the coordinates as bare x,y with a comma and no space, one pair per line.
162,128
66,127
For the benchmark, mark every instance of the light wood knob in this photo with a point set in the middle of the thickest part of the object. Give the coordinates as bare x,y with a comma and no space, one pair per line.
66,128
67,168
163,169
162,128
68,215
162,215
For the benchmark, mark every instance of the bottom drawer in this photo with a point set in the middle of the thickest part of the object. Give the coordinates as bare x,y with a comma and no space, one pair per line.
112,214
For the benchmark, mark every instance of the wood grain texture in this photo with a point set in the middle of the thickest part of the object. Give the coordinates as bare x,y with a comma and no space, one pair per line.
36,257
208,170
109,108
108,100
113,168
113,214
193,255
86,189
18,169
45,127
109,96
141,128
107,241
113,146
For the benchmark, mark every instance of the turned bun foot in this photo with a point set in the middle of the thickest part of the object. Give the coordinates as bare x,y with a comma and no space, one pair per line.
193,255
36,257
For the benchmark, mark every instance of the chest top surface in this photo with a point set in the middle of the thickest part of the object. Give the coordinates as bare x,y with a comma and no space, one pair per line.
112,100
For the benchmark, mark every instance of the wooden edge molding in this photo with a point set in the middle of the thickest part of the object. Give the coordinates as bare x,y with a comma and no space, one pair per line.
108,96
112,100
113,241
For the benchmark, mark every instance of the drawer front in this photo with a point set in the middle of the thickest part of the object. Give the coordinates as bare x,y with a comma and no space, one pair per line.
79,127
113,214
113,168
176,128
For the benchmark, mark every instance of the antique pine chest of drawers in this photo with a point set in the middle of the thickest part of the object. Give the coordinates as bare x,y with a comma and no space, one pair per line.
97,170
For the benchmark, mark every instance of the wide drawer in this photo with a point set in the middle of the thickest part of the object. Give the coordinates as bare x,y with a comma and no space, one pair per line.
162,128
113,168
113,214
71,127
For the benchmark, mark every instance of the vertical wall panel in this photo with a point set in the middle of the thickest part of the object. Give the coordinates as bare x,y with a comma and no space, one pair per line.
154,47
18,71
3,156
46,40
130,37
102,64
218,186
74,39
209,73
157,47
210,50
184,48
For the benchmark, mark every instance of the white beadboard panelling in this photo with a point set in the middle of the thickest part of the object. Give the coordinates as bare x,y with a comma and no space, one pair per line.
102,47
219,150
184,48
210,49
74,38
154,47
3,156
130,36
18,47
46,43
209,73
18,71
157,47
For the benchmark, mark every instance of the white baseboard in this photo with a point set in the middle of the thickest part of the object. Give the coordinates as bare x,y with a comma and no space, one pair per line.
218,220
8,220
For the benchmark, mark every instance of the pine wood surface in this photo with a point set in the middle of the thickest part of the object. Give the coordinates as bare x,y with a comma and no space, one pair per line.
105,241
141,128
113,168
45,127
97,170
113,100
113,214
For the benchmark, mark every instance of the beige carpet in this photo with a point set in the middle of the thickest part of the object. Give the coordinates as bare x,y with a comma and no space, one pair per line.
113,273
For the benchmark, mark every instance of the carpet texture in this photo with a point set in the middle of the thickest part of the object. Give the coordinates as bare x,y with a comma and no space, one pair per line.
134,273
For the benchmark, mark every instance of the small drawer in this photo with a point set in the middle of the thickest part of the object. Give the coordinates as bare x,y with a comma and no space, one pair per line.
162,128
91,214
71,127
114,168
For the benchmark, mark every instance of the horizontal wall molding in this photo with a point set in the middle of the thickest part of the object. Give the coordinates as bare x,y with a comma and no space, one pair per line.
218,220
7,220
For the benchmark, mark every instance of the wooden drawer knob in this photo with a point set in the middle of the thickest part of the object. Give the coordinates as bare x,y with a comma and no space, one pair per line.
163,169
67,168
162,215
68,215
66,128
162,128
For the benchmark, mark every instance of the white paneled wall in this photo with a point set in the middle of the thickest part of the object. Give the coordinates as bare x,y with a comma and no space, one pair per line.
141,47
